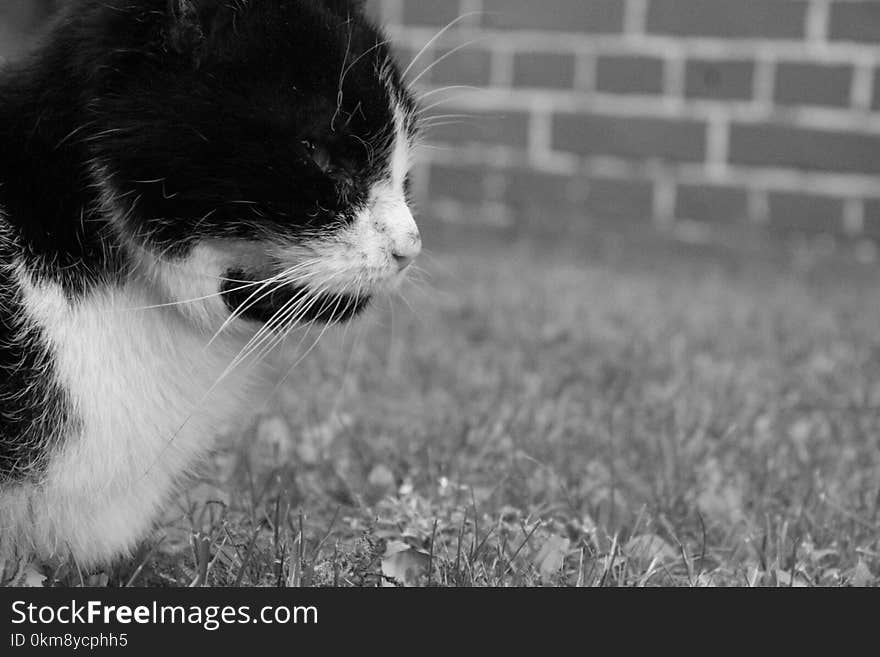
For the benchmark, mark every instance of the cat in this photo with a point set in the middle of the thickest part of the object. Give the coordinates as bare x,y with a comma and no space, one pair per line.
182,183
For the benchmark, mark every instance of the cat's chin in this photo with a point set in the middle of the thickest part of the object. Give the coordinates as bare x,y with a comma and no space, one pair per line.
291,304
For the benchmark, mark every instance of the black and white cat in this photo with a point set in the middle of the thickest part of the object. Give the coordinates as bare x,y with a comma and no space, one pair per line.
181,183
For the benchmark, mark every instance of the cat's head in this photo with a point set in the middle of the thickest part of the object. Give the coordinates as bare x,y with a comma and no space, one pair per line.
255,148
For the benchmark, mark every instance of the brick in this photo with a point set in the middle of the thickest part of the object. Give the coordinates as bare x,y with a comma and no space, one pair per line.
528,188
497,128
743,19
471,66
799,83
719,79
547,70
712,203
855,21
630,137
462,183
629,75
805,213
419,12
537,193
539,199
594,16
872,218
801,148
631,200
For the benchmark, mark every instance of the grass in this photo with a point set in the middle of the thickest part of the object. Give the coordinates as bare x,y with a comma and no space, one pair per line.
541,417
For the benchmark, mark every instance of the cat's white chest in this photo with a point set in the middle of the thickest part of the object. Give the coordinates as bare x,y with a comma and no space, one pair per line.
147,397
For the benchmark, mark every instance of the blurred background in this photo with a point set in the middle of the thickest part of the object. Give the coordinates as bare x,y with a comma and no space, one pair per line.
704,119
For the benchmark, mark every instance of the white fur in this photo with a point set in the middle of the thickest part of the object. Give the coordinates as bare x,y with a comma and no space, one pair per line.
144,413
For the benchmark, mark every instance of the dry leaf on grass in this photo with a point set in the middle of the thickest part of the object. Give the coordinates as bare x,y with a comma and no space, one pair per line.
551,557
32,578
403,565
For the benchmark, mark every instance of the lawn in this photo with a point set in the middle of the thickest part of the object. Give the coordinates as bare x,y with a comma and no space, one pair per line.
538,416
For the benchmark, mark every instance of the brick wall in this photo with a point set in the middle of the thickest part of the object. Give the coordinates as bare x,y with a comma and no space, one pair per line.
678,112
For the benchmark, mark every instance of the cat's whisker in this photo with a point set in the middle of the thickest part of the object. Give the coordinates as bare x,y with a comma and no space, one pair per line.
98,136
73,133
184,302
390,354
291,322
419,284
267,332
346,371
253,345
268,326
450,115
434,147
418,269
422,112
368,147
361,56
418,315
294,317
244,307
420,293
436,38
265,290
356,299
244,285
437,263
308,351
444,57
288,312
339,93
448,88
422,279
442,124
321,293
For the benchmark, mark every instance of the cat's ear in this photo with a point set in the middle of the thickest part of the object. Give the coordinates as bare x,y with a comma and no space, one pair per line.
184,33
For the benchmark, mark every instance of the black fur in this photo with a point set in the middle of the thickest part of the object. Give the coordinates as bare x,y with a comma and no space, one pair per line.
326,308
32,407
247,119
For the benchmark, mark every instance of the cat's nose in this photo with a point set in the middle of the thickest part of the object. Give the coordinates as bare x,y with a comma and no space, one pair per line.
405,252
394,222
402,261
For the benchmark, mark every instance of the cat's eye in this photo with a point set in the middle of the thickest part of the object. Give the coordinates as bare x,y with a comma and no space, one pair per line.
319,155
